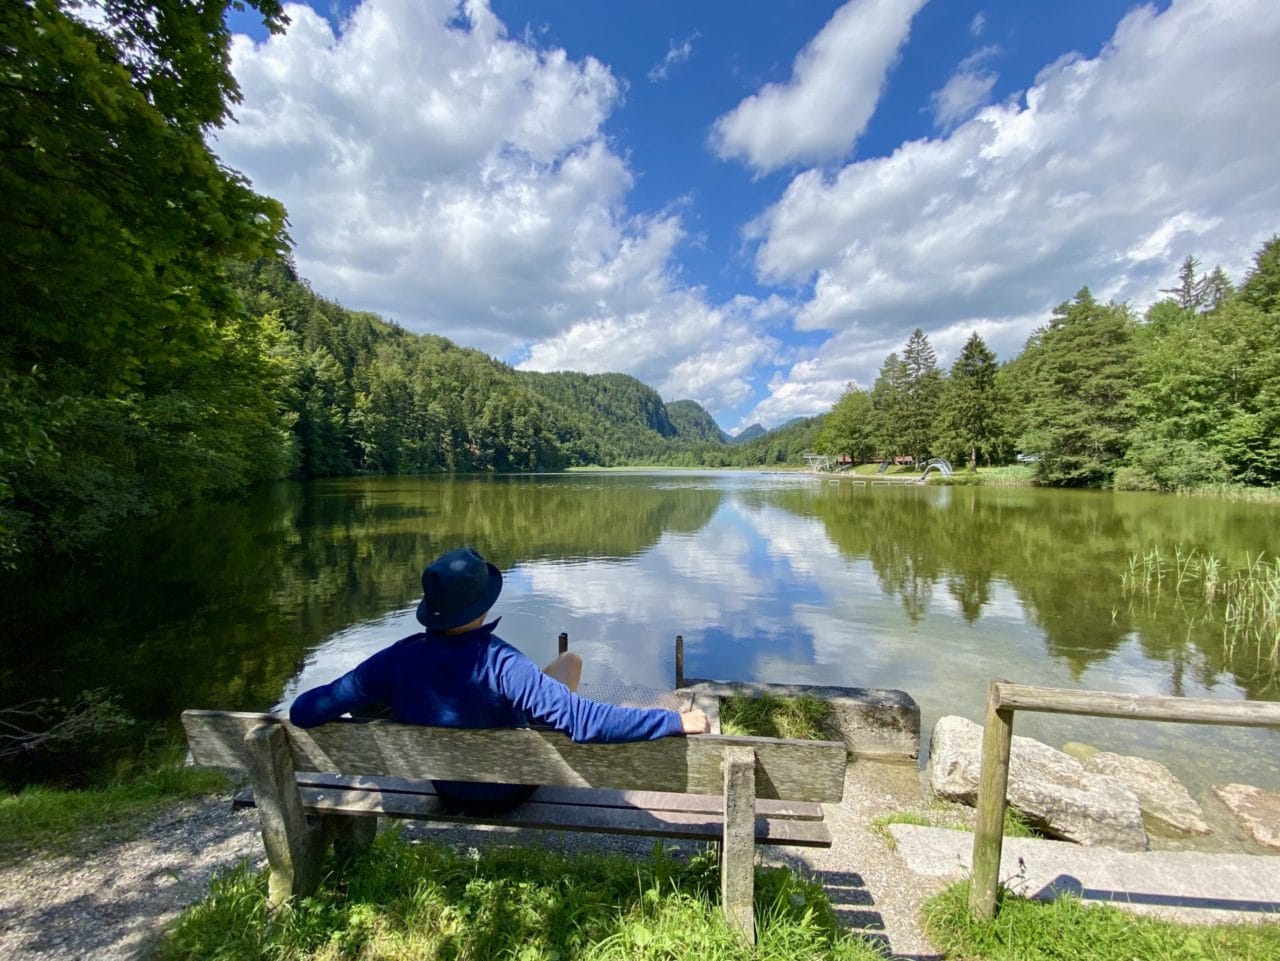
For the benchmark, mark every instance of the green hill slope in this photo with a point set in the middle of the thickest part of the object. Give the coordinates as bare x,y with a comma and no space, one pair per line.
694,423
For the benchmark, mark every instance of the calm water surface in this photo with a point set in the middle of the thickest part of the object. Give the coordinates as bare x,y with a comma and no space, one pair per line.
787,578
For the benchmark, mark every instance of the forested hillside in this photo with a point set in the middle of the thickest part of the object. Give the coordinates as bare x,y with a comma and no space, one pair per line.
693,422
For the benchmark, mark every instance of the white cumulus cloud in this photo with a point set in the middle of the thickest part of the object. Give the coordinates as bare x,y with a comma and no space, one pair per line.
457,180
1107,171
835,85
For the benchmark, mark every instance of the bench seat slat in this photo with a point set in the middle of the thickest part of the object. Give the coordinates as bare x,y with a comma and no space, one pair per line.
785,770
597,797
605,820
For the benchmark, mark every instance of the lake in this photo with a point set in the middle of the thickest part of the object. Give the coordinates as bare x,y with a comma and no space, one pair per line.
772,577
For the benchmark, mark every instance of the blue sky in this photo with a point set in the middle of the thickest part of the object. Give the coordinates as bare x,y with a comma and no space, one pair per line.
751,204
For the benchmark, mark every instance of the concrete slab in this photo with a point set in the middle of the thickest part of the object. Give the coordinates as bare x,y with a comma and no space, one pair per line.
1186,886
876,724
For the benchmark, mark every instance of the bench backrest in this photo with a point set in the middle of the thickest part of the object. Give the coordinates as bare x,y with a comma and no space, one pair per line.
785,770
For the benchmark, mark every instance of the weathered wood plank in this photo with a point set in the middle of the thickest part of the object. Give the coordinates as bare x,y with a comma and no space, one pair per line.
597,797
294,847
684,825
785,770
988,835
737,851
1191,710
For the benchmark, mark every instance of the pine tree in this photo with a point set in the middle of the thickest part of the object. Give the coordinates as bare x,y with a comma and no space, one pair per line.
1261,288
923,393
1190,290
971,404
888,406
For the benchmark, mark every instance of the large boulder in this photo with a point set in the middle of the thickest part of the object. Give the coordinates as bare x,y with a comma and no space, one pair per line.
1258,811
1054,792
1165,802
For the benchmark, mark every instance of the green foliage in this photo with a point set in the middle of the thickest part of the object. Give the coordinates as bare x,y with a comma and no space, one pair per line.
44,818
692,422
1025,930
1189,399
804,717
1261,288
604,419
880,824
1079,373
426,901
1208,408
782,445
969,409
889,406
129,380
1015,825
923,391
849,428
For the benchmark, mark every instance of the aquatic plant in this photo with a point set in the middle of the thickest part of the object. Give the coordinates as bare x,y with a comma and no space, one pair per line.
1246,600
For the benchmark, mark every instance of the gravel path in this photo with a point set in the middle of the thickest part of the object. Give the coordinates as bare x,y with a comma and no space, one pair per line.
113,904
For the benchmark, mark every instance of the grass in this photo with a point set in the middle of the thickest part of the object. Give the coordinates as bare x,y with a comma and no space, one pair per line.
418,902
44,818
1066,928
1234,492
1015,826
1012,475
801,718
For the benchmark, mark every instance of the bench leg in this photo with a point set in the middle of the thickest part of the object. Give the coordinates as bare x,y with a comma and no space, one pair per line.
737,852
295,848
352,835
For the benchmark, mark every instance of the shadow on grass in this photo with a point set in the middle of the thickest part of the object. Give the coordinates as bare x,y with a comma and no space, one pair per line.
429,901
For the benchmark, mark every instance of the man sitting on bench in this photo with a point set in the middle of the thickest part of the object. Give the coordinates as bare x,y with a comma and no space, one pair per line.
459,673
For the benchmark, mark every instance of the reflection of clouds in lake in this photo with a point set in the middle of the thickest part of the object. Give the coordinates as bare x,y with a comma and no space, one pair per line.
1003,604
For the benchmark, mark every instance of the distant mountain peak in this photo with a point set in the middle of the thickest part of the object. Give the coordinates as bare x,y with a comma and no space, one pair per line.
748,433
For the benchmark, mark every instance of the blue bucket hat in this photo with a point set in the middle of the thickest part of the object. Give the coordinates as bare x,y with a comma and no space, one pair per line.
456,589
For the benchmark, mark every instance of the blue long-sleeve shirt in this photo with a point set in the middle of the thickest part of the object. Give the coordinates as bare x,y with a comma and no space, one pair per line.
474,680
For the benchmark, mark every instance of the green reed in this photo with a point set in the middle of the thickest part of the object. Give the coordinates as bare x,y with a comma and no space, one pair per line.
1246,599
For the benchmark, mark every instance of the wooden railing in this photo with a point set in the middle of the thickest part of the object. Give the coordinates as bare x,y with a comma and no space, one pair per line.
1004,698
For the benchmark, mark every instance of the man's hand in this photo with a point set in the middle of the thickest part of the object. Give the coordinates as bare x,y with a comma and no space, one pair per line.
695,722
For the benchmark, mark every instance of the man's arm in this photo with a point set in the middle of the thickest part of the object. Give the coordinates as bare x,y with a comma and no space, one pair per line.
359,687
545,700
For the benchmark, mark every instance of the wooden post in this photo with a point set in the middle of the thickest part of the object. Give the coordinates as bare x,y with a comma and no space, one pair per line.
679,661
352,835
563,642
295,848
737,852
993,784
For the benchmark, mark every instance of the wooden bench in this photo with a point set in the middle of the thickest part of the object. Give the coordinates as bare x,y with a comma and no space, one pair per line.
324,785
